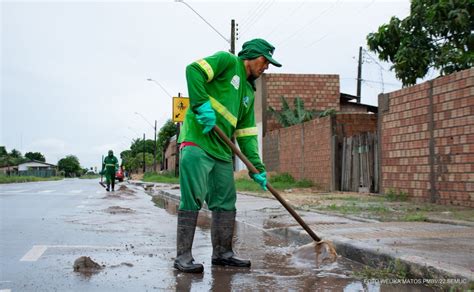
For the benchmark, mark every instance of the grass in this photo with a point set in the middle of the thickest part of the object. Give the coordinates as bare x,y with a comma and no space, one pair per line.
22,179
414,217
89,176
165,177
392,195
394,270
280,182
354,208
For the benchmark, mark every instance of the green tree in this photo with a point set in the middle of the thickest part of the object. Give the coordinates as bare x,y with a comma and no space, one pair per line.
289,117
138,161
3,151
70,165
35,156
127,159
437,34
15,154
137,146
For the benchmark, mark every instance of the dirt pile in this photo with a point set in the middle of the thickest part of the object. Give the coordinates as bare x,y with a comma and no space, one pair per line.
123,192
86,265
118,210
124,189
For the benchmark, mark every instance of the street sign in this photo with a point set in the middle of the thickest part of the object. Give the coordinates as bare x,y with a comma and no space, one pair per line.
180,105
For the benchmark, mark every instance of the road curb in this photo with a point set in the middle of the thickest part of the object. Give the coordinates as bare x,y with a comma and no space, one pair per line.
417,267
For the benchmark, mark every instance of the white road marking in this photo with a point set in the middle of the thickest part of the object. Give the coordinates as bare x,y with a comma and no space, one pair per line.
16,191
5,290
38,250
34,254
46,191
76,191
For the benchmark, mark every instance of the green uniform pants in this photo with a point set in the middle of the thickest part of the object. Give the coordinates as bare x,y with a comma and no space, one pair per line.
109,174
205,179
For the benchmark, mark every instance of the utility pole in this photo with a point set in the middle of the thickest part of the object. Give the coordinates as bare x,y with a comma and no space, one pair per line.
154,152
232,36
359,75
176,162
144,163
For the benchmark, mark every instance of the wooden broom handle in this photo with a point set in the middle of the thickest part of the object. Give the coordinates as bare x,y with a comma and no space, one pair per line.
269,187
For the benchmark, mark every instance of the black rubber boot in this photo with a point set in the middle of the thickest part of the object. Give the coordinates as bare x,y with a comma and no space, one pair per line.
184,242
222,233
107,188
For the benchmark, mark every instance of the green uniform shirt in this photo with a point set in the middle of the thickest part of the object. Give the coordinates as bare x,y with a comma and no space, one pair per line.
222,80
110,164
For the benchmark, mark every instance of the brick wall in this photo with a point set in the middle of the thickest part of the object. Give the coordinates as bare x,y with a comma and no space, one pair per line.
427,140
170,156
350,124
271,148
304,151
319,92
350,107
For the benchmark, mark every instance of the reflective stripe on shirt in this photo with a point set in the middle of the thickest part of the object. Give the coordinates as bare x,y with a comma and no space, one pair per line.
207,68
223,111
246,132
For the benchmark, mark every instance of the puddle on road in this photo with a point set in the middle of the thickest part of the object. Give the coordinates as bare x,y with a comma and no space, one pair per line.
276,263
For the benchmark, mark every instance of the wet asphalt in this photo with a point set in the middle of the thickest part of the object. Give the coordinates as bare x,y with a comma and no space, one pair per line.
46,226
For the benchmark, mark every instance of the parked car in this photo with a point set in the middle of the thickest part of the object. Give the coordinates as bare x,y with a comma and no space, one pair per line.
119,175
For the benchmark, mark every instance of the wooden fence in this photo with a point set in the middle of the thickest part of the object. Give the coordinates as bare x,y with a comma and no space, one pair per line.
359,166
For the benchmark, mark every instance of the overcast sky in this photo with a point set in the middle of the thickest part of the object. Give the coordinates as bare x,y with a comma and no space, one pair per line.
74,73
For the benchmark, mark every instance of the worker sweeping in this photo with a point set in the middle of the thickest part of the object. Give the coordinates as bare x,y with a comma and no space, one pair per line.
109,167
221,92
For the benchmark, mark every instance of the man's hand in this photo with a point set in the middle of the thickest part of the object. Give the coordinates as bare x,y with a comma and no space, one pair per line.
261,179
206,117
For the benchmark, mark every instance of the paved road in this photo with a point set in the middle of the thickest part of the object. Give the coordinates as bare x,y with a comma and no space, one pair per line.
46,226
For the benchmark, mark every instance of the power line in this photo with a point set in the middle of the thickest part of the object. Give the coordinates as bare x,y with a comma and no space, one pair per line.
312,21
317,41
286,19
258,16
383,83
252,14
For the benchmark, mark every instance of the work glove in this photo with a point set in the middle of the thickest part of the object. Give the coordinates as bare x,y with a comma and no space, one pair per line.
101,172
261,179
206,117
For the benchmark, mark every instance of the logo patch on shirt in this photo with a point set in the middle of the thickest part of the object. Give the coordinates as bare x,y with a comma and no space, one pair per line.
235,82
245,101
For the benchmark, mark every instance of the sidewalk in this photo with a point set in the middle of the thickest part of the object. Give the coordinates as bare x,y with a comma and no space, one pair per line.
428,250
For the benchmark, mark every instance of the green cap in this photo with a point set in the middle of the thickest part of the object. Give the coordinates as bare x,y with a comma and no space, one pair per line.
258,47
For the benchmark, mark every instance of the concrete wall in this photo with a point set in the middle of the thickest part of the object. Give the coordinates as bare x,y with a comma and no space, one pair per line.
427,140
